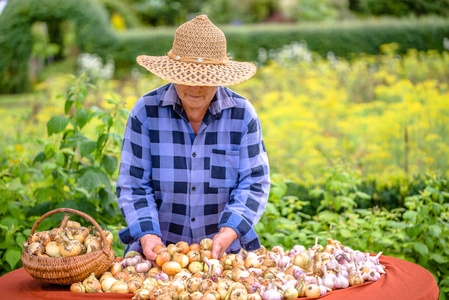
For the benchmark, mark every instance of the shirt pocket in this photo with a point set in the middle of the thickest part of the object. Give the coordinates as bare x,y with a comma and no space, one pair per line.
224,168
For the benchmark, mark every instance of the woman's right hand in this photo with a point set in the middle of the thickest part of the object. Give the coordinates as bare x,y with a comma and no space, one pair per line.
148,242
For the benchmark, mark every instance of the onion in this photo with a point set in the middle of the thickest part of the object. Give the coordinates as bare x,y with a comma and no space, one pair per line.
183,246
92,284
121,276
106,283
171,268
52,249
313,291
162,258
196,267
77,287
119,287
207,285
115,268
206,244
196,295
193,284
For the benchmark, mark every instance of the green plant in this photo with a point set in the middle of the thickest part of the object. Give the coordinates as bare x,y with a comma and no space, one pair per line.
80,156
340,190
427,218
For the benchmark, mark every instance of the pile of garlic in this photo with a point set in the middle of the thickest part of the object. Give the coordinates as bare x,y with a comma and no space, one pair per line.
187,272
67,240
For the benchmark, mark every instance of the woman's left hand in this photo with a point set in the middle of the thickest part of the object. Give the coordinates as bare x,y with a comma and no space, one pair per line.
222,240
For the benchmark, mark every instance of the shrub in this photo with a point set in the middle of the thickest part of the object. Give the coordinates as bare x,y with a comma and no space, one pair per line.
94,35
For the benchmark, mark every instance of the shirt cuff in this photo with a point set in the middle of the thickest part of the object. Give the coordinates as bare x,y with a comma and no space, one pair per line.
135,231
249,240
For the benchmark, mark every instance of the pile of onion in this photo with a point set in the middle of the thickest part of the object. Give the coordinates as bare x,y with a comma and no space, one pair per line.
67,240
188,272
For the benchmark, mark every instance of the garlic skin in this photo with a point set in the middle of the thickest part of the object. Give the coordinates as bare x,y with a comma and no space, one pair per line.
373,275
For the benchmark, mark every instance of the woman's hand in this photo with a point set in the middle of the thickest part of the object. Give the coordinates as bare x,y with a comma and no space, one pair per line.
222,240
148,242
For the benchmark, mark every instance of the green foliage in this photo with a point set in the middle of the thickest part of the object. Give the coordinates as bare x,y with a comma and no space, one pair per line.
94,35
401,8
340,190
92,30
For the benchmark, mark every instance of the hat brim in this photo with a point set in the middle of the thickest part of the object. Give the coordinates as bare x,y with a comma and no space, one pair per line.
197,74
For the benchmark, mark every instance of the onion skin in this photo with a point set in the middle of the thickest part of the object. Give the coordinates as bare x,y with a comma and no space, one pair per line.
171,268
52,249
119,287
313,291
206,244
77,287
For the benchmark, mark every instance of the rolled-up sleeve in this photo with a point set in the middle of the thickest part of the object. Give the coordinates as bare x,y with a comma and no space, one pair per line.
134,189
248,200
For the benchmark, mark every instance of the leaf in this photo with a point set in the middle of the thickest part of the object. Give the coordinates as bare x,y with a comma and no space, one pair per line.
12,256
409,215
345,233
67,106
60,159
93,179
87,147
9,222
421,248
81,117
117,137
56,124
14,184
110,164
439,258
435,230
40,157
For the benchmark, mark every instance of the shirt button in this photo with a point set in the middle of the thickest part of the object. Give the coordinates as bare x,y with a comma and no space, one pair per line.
193,219
193,188
194,154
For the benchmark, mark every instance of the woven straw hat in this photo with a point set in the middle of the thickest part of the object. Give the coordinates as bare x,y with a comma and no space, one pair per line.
198,58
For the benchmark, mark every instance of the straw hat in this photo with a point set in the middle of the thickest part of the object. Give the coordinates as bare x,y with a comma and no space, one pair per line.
198,58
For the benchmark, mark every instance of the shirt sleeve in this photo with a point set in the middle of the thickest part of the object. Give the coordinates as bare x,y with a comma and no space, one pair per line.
248,200
134,189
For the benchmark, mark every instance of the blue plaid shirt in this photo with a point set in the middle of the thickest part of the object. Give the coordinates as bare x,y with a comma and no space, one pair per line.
183,187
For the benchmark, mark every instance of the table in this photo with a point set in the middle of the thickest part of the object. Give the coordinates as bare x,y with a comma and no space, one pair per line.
404,280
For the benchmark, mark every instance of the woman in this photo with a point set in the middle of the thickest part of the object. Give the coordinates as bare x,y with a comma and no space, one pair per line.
193,162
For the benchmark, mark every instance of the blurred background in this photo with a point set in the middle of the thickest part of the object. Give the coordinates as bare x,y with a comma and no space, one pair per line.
352,95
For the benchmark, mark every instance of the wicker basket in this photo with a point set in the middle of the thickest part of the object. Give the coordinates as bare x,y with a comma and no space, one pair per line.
68,270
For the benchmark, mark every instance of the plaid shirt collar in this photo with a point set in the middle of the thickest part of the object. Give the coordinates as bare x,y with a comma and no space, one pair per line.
220,102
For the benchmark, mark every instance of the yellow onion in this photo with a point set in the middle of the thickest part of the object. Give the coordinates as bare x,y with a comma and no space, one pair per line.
119,287
92,284
52,249
43,237
106,283
77,287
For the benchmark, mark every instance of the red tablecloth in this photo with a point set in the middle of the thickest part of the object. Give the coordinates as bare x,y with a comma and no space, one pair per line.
404,280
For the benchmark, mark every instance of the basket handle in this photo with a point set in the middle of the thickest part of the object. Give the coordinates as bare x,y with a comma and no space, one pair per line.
73,211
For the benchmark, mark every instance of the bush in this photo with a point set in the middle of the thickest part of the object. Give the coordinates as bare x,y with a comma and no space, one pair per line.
92,29
94,35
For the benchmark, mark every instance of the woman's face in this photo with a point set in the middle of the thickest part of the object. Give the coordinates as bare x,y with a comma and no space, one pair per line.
195,97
